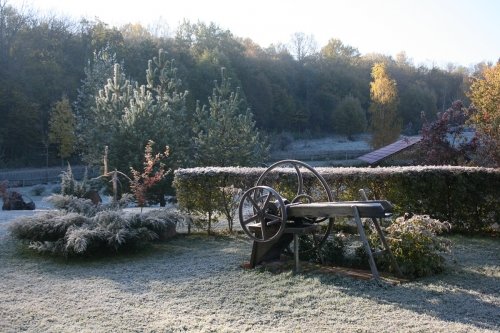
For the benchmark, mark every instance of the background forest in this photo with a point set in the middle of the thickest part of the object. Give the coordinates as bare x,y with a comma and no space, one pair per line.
52,64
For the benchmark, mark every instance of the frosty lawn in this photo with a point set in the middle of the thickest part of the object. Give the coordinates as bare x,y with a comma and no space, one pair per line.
195,283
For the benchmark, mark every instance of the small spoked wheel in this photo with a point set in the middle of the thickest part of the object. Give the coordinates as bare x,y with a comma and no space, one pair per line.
262,214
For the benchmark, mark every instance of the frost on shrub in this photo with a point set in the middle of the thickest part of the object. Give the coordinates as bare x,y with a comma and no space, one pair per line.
73,204
38,190
49,226
416,245
85,207
73,234
162,222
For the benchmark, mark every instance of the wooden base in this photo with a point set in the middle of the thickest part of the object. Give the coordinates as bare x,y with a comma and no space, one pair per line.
285,265
271,251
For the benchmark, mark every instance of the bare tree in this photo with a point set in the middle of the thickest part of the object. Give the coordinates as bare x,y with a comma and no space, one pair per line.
302,46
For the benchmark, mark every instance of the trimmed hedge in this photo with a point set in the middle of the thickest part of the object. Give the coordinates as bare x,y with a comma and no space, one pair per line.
466,197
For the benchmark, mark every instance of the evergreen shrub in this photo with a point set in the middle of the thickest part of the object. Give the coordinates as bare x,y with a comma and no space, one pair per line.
92,231
84,206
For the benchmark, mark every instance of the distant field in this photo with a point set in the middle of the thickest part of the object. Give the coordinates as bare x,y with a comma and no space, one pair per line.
32,176
333,150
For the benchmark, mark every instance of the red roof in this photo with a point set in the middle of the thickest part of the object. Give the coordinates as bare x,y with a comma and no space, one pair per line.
384,152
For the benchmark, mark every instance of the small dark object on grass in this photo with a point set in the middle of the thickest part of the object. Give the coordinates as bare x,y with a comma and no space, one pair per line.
14,201
93,196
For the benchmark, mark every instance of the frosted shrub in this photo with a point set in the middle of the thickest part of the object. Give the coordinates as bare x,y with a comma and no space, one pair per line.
333,250
229,199
469,198
49,226
70,203
416,245
73,234
162,222
85,207
38,190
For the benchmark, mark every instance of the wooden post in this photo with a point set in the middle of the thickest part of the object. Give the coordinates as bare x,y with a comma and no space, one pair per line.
105,160
296,252
362,234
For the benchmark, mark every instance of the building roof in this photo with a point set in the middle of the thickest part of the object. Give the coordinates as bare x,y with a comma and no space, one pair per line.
384,152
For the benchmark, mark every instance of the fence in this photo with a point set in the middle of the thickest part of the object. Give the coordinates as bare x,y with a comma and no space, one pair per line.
29,177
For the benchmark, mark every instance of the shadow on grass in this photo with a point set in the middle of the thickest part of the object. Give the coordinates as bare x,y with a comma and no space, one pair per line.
467,292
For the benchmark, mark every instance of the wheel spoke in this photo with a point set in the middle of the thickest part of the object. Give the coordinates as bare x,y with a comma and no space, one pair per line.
250,219
273,222
266,202
272,216
254,204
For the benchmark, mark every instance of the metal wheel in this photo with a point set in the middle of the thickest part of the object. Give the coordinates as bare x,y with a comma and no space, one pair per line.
262,214
304,195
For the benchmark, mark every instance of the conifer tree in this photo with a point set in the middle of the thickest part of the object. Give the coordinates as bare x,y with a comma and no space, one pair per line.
162,79
97,71
62,128
157,112
111,103
385,121
125,117
226,135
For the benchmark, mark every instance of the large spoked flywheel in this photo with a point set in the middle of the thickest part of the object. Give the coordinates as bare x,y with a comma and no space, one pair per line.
310,187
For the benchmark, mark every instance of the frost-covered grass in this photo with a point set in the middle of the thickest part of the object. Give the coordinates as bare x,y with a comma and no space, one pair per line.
195,284
326,151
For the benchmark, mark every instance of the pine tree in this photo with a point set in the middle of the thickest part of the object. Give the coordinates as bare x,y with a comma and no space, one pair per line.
226,135
97,72
385,120
62,128
111,104
157,112
161,77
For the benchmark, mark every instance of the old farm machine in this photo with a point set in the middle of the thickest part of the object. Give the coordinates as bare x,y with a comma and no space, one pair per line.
274,219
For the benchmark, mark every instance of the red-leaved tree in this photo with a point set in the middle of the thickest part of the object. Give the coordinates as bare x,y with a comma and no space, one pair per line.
447,140
154,171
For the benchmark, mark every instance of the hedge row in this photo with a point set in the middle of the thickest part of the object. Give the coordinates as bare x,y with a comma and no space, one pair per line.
467,197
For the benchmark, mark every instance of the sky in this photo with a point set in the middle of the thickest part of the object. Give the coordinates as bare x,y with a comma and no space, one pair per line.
430,32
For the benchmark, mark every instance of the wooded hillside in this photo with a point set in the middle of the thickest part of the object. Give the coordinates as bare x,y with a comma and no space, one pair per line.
42,60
